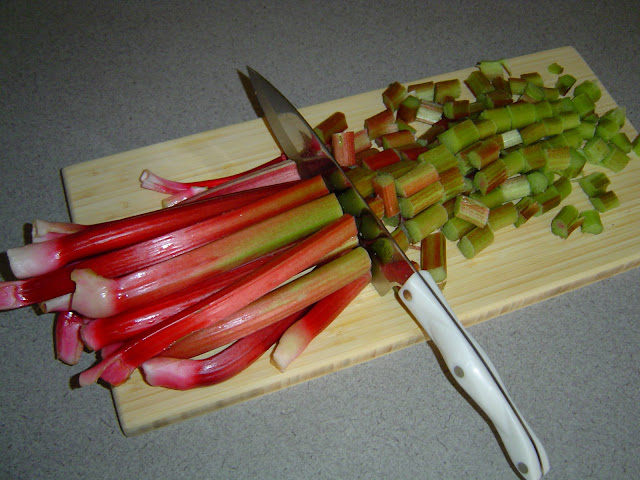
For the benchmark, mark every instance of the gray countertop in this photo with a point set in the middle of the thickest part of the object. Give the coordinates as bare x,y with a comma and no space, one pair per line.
81,80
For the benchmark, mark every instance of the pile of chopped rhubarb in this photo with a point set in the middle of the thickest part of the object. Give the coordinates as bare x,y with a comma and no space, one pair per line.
265,260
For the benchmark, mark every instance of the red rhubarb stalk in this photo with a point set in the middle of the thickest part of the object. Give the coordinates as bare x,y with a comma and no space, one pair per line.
282,172
96,296
39,258
119,366
185,374
144,254
299,335
287,299
118,328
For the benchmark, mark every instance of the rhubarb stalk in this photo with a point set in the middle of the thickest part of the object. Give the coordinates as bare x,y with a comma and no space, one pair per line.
119,366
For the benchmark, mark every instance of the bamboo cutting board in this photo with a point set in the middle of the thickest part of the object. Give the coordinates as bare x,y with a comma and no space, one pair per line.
522,267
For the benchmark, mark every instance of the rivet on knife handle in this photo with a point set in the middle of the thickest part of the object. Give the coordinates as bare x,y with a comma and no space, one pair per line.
475,373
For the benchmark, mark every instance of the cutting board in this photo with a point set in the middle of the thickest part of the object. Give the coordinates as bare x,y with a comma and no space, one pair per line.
523,266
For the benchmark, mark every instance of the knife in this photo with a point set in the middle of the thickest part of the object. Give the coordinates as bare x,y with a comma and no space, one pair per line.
463,356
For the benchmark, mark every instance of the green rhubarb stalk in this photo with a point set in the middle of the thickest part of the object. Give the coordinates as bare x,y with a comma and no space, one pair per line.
591,222
446,90
514,162
491,176
521,114
527,207
460,136
595,149
533,133
455,228
298,336
605,201
502,216
564,187
475,241
385,250
500,116
453,183
534,157
538,182
425,222
583,104
564,222
564,83
594,184
590,88
621,140
616,160
558,158
416,203
421,176
478,83
471,210
576,164
440,157
433,256
555,68
486,128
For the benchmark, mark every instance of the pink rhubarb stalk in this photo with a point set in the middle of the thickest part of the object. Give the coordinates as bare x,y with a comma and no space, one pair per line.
299,335
185,374
151,181
96,296
119,366
42,230
287,299
124,261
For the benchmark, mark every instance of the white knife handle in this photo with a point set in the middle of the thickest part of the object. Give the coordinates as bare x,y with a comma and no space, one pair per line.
475,373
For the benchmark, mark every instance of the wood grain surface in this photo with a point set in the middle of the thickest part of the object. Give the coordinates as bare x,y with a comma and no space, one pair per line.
523,266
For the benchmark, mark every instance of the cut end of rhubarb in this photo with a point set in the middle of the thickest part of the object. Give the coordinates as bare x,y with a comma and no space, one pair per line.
168,372
93,296
34,259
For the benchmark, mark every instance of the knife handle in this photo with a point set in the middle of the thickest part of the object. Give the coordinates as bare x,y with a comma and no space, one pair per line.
475,373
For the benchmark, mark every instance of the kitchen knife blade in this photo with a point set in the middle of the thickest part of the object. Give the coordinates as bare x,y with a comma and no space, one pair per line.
465,359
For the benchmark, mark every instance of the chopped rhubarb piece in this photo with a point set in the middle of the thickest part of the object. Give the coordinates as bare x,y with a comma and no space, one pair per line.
527,207
361,141
393,95
385,250
433,256
96,296
460,136
421,200
381,159
493,68
334,123
589,87
396,139
185,374
299,335
491,176
471,210
376,205
484,152
561,225
118,367
408,109
583,104
453,183
344,148
456,109
440,157
502,216
421,176
286,299
478,83
429,112
424,91
447,90
591,222
455,228
385,187
522,114
605,201
426,222
475,241
380,124
616,160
